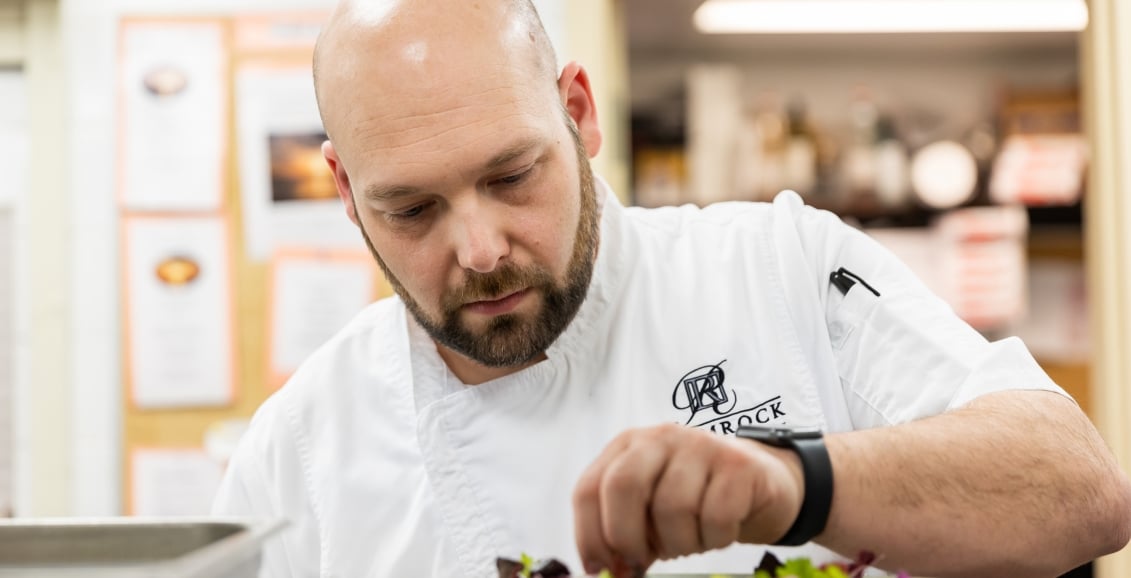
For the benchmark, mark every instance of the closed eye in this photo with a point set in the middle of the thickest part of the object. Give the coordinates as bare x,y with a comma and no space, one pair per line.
514,179
410,213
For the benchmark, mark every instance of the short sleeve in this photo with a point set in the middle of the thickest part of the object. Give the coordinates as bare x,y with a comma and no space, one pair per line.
901,353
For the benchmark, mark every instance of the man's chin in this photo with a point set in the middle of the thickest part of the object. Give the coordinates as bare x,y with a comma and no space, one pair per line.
504,343
484,328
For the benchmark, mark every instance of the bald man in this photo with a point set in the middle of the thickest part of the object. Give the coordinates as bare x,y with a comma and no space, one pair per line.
563,376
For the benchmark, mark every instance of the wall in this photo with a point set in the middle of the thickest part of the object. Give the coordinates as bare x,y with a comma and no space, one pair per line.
595,38
13,149
12,34
1106,66
43,420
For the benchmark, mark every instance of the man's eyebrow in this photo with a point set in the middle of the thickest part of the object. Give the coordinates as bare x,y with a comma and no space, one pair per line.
378,193
511,153
383,193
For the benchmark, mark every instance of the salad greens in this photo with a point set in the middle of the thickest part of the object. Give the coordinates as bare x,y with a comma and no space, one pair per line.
770,567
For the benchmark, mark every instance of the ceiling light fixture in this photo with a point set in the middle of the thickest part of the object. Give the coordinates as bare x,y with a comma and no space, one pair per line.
889,16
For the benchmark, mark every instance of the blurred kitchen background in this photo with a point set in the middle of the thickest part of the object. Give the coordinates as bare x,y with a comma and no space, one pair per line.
983,141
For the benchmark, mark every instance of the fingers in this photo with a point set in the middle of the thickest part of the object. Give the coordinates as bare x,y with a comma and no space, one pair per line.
625,494
727,501
640,498
612,521
588,527
676,502
671,491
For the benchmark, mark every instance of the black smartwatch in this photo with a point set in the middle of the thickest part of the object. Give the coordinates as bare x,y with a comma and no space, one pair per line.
817,472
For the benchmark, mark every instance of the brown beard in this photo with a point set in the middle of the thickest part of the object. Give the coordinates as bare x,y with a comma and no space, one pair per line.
511,340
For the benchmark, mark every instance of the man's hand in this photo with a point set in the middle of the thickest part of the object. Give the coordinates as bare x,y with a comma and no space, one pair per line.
667,491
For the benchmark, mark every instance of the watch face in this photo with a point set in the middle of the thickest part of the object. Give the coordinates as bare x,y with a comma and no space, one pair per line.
767,435
777,436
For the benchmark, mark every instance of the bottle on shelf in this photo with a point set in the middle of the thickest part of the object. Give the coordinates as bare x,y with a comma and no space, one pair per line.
771,123
858,165
762,147
982,142
800,158
892,184
749,155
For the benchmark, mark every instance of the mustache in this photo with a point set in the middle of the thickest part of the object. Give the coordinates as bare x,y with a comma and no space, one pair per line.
496,284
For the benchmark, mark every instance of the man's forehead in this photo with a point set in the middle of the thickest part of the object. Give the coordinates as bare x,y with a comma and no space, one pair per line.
392,179
450,119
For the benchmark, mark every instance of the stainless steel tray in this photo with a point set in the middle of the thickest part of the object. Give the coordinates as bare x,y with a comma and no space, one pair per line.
133,547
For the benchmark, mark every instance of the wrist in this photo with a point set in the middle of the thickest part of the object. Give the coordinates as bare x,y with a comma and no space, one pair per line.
792,463
812,457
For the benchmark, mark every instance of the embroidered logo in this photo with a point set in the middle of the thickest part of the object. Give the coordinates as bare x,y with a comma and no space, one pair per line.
702,391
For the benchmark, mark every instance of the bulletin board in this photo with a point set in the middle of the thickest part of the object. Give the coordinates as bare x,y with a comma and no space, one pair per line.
201,254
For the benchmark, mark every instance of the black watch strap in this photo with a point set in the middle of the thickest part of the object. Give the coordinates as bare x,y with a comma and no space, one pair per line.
817,471
817,474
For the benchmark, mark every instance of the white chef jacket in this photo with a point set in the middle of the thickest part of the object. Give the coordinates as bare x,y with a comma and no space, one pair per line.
387,466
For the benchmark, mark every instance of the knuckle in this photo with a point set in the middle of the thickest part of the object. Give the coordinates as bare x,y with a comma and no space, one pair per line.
676,549
674,506
743,467
586,491
620,540
720,518
701,443
738,457
719,527
720,538
623,437
618,483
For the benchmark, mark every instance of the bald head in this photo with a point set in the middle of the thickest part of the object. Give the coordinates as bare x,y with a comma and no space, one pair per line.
393,48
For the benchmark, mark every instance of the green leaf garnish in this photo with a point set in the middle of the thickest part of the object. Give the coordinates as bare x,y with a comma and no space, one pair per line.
834,571
800,568
527,565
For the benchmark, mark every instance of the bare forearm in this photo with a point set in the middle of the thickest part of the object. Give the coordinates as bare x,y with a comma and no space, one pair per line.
1008,486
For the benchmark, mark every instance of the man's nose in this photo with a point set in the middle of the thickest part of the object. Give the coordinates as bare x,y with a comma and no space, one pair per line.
480,242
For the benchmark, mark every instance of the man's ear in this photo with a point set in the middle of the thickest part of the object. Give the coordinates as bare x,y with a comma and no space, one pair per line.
341,180
577,98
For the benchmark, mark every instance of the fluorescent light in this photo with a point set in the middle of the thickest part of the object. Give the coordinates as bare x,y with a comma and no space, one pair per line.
889,16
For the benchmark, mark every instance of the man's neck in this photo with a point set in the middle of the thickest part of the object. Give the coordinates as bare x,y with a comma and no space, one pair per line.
470,372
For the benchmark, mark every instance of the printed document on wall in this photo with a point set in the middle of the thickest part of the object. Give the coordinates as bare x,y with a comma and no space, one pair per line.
173,109
173,482
314,294
288,192
178,311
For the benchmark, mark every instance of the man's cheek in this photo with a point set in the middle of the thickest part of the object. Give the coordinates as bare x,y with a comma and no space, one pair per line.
432,301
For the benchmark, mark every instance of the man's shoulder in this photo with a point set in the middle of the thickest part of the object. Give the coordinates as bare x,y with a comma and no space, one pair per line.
730,217
329,383
676,219
363,342
357,356
375,316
